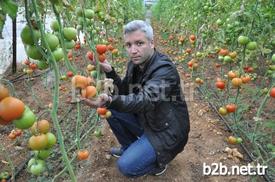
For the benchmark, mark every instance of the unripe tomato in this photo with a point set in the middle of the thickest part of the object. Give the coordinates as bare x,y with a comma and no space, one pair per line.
38,142
70,33
52,41
58,54
26,120
26,35
232,140
222,111
4,92
33,52
51,140
251,45
243,40
55,25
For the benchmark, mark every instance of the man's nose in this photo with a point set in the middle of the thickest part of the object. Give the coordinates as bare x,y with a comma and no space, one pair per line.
133,49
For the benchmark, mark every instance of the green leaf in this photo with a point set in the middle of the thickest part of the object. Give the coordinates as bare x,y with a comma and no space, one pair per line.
266,51
270,124
9,7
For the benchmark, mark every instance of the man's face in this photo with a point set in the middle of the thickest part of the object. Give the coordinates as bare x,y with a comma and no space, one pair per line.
139,48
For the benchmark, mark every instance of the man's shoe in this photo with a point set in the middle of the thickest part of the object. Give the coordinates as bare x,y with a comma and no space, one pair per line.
116,151
158,171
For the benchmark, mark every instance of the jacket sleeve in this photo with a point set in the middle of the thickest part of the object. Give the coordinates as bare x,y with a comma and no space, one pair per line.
156,89
120,84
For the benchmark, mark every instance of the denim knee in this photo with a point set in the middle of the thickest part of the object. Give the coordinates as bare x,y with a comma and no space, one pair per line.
125,168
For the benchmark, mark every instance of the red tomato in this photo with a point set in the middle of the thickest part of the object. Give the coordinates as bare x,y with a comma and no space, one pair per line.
90,55
231,107
220,84
70,74
101,48
272,92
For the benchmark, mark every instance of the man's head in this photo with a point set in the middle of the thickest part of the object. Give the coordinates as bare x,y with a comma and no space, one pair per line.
138,38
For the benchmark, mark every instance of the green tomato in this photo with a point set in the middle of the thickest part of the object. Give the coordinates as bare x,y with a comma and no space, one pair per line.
54,1
43,154
221,58
26,120
27,37
58,54
52,41
69,44
227,59
272,67
219,22
42,65
51,140
273,58
79,11
239,140
93,73
37,167
251,45
243,40
55,25
33,52
70,33
89,13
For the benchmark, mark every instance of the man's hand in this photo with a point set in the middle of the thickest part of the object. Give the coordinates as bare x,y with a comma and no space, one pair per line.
99,102
105,66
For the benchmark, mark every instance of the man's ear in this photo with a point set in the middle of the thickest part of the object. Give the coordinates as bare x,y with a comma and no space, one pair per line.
152,44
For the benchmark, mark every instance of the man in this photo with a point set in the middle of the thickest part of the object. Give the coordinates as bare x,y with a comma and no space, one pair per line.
149,115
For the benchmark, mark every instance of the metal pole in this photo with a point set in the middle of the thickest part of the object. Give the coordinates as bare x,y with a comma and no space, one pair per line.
14,45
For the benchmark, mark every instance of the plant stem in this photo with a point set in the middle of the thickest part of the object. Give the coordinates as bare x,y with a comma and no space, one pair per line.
55,96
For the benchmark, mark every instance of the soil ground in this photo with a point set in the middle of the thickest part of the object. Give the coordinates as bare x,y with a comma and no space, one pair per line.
206,143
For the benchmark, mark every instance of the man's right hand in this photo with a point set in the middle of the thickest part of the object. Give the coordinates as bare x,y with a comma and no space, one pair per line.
106,66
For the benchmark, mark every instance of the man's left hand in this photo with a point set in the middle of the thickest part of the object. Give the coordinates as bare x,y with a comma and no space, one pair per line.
99,102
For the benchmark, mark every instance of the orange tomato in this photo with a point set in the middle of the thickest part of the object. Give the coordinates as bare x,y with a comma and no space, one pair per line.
101,110
192,37
223,52
42,126
38,142
110,47
245,79
88,92
82,154
79,81
4,92
233,54
232,74
11,108
236,82
101,57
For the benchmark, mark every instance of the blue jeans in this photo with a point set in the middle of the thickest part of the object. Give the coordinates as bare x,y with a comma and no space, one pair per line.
139,156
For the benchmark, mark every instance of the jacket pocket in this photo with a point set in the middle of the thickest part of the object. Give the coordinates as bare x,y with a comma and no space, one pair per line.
158,121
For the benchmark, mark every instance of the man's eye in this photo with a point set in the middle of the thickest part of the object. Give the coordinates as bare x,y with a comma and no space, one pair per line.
140,43
128,45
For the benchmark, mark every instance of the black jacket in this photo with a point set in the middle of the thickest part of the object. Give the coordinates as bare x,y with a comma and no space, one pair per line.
154,94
